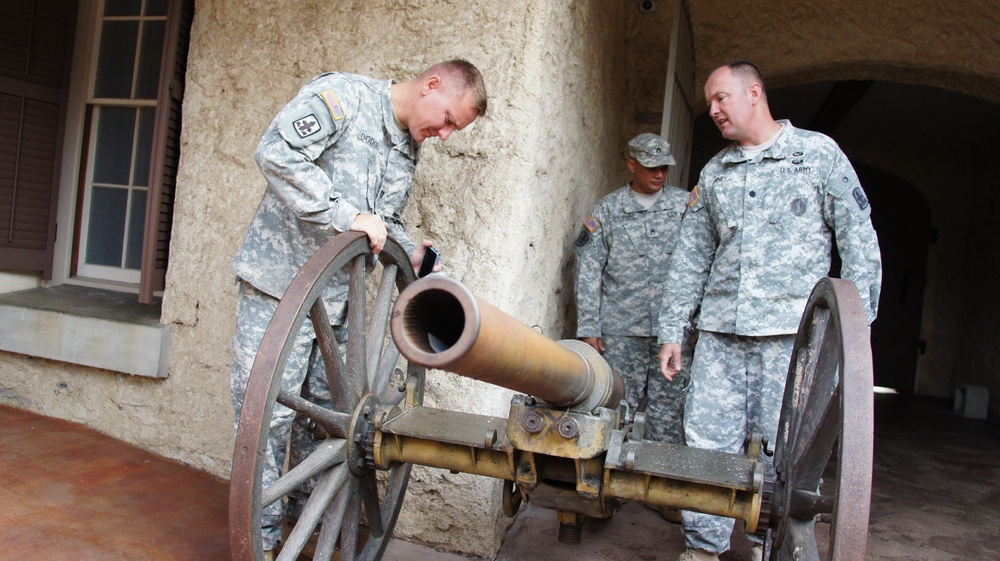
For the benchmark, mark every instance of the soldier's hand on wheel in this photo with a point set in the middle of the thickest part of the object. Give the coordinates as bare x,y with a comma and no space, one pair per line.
372,225
596,342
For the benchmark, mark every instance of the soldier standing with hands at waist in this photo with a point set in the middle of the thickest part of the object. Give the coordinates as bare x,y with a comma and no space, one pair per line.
756,238
339,156
622,253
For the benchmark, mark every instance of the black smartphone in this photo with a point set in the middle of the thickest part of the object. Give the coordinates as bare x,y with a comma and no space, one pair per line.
431,258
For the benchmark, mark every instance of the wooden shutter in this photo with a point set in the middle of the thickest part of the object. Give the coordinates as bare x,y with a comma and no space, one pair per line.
36,40
166,150
678,101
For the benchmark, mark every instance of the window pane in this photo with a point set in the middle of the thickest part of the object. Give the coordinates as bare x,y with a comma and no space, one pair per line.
113,151
156,7
107,226
116,59
148,79
122,7
144,146
136,230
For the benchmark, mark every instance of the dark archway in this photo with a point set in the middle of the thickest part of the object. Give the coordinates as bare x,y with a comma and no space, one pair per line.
902,220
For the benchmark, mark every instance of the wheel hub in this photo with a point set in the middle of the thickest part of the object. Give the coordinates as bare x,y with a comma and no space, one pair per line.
361,437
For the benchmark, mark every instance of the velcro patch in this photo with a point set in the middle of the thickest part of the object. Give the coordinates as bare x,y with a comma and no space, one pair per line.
591,224
694,197
307,126
583,239
859,197
336,111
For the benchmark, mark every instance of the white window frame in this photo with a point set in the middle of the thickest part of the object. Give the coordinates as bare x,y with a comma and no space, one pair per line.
82,77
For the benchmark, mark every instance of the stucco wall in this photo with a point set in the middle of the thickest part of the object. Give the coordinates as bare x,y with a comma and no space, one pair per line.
951,45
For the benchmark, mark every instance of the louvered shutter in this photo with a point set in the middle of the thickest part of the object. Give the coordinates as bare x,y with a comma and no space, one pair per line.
36,40
166,150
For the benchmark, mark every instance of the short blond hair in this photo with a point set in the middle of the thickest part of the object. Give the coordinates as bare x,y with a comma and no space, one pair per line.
466,76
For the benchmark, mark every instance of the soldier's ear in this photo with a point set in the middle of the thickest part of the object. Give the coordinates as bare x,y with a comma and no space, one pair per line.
756,92
432,83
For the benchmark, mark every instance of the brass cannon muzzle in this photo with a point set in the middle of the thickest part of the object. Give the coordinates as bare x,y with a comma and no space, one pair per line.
438,323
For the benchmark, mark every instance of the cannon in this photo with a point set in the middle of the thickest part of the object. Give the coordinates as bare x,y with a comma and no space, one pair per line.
568,444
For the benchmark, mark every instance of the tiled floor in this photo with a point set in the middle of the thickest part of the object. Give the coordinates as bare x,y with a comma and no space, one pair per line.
70,493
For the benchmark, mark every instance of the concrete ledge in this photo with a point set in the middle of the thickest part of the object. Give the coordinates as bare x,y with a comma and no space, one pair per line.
87,326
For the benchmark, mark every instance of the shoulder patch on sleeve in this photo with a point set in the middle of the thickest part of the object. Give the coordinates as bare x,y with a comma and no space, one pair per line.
333,104
694,198
860,198
307,124
591,224
583,239
847,188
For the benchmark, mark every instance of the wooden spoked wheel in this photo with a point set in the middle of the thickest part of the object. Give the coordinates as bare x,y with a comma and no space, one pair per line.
369,374
826,425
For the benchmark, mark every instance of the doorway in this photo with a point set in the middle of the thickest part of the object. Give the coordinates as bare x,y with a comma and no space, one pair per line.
902,220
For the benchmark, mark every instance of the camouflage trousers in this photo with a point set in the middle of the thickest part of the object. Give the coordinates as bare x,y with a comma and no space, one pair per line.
637,360
737,384
304,375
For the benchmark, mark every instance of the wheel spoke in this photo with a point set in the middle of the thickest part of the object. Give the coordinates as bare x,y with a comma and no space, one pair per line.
813,449
388,393
369,494
356,375
380,322
820,380
800,542
330,530
326,455
352,524
327,486
334,423
335,370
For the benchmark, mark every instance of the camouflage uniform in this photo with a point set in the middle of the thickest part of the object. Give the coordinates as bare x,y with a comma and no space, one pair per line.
757,236
622,255
334,151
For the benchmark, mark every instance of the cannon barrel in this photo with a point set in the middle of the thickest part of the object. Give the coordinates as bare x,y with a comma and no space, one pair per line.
438,323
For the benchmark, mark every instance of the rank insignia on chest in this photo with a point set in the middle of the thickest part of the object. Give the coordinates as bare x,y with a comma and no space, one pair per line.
307,126
336,111
591,224
694,197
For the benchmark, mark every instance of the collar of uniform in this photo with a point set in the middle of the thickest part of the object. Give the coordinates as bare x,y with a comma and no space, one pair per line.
781,149
399,138
630,203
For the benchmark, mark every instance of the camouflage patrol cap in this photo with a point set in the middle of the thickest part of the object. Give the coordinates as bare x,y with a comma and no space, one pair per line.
651,150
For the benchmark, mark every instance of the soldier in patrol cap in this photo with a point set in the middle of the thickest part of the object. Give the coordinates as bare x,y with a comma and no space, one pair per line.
339,156
622,253
757,235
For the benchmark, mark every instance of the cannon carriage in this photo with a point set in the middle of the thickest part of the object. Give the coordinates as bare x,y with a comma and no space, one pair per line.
568,443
